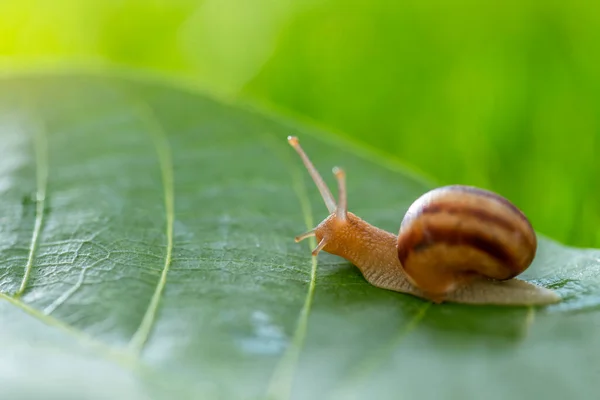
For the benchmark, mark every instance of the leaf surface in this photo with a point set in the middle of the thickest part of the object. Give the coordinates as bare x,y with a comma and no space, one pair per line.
151,230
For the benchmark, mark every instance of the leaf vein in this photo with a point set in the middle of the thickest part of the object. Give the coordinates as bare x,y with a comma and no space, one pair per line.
280,384
41,157
67,294
163,150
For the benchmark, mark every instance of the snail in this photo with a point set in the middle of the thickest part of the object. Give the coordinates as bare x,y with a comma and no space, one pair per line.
456,244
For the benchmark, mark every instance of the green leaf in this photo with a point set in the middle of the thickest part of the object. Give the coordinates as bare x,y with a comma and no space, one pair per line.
151,231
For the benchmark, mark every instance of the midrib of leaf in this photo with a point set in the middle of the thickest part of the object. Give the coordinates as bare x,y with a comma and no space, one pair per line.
280,384
41,172
163,150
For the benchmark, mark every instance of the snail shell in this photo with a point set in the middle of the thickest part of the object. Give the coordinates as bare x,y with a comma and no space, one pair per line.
455,234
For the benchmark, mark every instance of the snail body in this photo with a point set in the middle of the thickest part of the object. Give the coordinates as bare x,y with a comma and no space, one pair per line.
456,243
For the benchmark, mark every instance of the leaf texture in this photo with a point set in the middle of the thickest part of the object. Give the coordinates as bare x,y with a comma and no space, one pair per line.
146,240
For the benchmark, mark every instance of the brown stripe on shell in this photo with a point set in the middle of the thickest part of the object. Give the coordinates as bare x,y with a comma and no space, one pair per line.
419,237
480,214
471,204
490,195
473,239
457,231
438,194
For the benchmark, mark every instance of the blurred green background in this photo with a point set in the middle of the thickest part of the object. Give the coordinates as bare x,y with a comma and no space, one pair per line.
504,96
